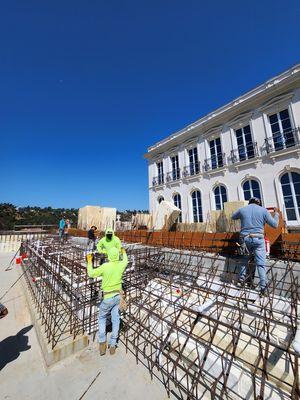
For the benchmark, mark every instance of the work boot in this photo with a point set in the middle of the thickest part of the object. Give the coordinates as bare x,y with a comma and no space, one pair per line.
102,348
240,283
263,292
112,350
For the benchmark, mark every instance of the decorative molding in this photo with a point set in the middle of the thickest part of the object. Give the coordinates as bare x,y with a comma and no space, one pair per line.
213,132
240,120
276,101
289,75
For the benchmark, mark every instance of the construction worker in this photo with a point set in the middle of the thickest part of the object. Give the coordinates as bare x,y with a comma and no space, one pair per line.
61,228
92,238
111,273
108,241
253,219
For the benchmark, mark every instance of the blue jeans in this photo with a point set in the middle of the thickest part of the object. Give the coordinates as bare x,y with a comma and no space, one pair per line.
106,307
257,247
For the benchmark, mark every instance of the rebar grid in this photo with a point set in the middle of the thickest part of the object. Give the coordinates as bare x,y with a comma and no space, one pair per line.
65,298
206,338
186,320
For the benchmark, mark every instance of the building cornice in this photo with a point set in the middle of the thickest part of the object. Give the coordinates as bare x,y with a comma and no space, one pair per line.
197,127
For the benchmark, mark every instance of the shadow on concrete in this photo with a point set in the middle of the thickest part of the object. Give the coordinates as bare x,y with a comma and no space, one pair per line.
12,346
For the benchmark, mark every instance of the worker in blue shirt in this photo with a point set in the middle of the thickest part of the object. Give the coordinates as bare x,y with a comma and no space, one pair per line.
61,228
253,218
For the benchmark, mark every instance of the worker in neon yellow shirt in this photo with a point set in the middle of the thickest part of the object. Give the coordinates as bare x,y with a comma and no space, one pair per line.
111,273
108,241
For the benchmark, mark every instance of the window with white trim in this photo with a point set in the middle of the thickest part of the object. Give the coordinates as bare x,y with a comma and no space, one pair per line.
290,185
160,172
251,189
177,203
216,153
245,143
175,167
197,206
281,127
194,161
220,193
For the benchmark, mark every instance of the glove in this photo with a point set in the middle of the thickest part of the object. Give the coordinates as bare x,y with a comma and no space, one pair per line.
89,258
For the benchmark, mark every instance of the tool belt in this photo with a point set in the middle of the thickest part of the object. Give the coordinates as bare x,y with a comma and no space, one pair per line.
112,291
254,235
242,247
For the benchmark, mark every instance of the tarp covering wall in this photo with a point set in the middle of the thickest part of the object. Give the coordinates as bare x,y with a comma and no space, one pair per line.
88,216
101,217
142,219
108,218
165,215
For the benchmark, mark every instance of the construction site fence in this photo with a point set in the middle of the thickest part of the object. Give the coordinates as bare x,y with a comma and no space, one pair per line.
282,245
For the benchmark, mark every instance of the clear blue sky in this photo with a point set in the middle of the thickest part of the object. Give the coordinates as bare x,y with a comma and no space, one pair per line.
87,86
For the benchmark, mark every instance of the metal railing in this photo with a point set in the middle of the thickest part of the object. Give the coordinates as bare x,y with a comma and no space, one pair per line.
191,170
158,180
174,175
283,140
242,153
215,162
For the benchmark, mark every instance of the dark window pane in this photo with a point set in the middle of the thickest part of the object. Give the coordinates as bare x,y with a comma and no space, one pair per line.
246,185
298,201
297,188
247,194
286,125
256,193
238,133
285,179
254,184
286,190
289,202
295,177
247,129
273,118
240,141
284,114
275,128
291,214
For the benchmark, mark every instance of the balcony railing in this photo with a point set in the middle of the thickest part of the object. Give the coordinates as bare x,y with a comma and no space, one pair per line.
217,161
158,180
191,170
280,141
174,175
243,153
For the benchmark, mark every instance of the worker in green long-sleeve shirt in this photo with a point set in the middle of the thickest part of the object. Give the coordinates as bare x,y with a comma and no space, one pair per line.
109,241
111,273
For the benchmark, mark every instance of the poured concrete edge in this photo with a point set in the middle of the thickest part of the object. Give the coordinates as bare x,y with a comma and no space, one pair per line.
65,348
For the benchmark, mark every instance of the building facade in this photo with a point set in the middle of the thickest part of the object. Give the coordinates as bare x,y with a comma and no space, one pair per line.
249,147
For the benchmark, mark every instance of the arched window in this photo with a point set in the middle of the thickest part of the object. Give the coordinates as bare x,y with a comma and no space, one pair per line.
160,199
290,184
220,197
251,189
177,203
197,206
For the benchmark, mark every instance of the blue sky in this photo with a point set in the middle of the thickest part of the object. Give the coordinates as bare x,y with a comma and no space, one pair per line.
87,86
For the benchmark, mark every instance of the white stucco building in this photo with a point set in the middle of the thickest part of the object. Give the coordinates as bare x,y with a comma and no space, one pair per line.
249,147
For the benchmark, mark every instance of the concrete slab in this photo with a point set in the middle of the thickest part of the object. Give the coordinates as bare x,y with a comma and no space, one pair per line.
24,374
